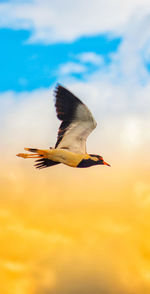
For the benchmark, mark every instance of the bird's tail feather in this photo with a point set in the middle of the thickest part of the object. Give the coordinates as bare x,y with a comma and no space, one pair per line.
41,152
42,162
37,153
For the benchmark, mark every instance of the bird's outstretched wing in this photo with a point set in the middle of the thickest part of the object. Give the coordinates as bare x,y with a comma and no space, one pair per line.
77,121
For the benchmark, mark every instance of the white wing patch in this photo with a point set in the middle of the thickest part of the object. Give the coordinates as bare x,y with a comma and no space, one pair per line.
76,134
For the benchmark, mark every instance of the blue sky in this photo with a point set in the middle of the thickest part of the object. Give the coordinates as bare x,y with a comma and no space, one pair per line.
42,42
26,66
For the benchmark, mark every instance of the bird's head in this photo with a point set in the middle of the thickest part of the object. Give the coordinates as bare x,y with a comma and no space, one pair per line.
99,159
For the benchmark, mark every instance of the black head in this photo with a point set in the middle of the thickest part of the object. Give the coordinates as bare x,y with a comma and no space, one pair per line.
99,160
92,160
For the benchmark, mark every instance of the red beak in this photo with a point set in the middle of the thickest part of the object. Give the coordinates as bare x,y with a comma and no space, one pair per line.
105,163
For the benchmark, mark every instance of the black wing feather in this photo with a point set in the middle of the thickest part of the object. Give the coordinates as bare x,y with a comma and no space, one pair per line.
66,104
45,162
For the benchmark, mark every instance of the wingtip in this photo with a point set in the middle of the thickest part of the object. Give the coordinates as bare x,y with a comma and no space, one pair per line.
57,87
58,84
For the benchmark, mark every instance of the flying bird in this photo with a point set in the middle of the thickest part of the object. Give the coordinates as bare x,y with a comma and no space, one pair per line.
77,123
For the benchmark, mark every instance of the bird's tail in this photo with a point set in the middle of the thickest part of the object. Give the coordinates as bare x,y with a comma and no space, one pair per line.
43,161
37,153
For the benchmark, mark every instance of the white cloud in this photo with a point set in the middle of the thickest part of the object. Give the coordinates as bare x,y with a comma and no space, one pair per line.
55,21
26,118
71,67
90,57
131,133
81,67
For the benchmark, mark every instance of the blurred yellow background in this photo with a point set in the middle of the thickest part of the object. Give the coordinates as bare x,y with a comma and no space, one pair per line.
66,230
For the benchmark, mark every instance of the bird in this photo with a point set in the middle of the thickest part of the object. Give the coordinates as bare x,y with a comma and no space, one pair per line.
77,122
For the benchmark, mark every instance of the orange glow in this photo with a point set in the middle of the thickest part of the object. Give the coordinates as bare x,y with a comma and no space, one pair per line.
65,228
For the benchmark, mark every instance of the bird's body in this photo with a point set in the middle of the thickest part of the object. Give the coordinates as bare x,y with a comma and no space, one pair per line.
70,149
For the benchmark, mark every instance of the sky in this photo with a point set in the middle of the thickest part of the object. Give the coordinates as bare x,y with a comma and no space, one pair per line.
65,230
